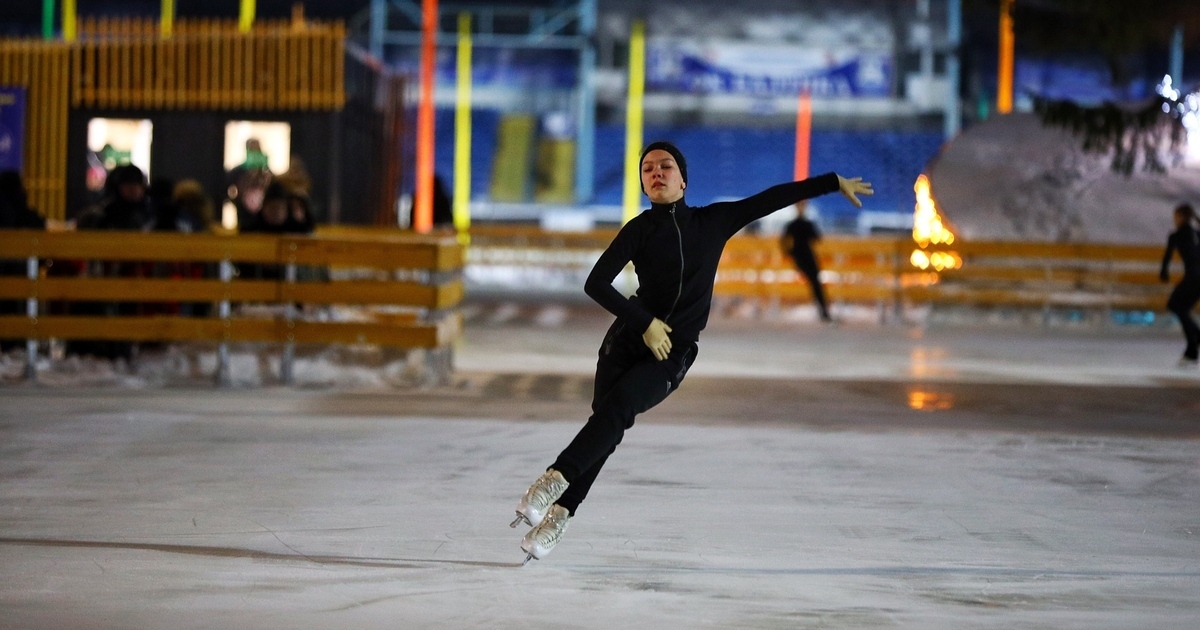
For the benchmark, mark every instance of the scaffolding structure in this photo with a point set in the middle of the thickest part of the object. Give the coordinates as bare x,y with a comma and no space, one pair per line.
571,26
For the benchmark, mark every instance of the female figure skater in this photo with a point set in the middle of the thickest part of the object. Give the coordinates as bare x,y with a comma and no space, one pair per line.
649,348
1187,292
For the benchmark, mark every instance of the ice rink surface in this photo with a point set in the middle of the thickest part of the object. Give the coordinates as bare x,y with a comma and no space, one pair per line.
802,477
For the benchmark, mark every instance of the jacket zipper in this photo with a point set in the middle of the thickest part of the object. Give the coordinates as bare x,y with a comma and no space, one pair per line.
678,293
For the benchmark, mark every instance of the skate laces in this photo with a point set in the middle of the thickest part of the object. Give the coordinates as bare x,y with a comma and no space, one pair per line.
552,528
546,490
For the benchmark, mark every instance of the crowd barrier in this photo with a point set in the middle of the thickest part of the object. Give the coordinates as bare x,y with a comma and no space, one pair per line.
414,282
882,270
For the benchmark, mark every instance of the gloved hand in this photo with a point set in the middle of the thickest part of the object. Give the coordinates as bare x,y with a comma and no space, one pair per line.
854,187
656,338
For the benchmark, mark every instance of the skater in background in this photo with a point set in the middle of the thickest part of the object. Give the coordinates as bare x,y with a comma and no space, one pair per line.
1183,299
647,351
797,240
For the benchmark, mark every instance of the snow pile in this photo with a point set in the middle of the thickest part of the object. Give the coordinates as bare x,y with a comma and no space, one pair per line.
1013,179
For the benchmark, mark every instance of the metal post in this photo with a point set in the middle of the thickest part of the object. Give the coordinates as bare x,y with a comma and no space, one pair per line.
379,15
953,118
585,130
223,376
1176,67
31,309
286,373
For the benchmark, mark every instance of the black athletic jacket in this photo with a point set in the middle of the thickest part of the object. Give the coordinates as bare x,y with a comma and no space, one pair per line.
1185,240
675,250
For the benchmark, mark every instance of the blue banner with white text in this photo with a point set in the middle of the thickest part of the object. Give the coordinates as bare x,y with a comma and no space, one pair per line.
12,127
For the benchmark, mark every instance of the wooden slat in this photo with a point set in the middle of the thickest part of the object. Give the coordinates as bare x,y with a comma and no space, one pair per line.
417,336
438,256
374,292
140,289
138,246
234,330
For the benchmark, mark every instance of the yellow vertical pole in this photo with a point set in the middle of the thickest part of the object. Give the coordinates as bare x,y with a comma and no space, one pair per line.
166,23
68,20
462,132
633,121
1004,86
246,16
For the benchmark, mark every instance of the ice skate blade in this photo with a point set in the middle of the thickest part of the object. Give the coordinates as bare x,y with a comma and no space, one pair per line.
528,557
520,517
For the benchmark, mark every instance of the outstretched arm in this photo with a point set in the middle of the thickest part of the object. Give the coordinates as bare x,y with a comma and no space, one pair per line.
739,214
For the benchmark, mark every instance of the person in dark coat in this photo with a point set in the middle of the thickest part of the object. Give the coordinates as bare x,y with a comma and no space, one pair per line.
127,209
1183,299
15,214
279,215
798,238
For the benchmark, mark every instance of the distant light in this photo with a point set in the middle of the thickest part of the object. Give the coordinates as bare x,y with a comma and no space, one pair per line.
929,228
919,259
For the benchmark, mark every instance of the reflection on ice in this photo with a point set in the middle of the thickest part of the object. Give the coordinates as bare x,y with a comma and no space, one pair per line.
925,400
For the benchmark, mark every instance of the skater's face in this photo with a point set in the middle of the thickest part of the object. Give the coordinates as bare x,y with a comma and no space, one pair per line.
1180,219
661,178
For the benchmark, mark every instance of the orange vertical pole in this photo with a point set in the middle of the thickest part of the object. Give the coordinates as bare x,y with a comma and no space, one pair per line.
1004,86
423,209
803,134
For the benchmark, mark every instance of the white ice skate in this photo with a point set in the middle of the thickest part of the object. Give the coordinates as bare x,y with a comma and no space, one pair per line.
542,539
539,497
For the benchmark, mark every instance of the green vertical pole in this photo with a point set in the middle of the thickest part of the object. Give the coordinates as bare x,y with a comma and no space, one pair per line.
47,19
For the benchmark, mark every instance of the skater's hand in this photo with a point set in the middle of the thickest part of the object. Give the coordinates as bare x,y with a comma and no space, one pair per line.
852,188
657,340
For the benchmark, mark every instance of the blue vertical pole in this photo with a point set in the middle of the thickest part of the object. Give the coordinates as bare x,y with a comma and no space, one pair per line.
585,130
953,117
1176,71
379,12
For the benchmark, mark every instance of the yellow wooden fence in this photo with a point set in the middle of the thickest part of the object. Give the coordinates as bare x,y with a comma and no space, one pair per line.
430,288
878,269
206,64
44,70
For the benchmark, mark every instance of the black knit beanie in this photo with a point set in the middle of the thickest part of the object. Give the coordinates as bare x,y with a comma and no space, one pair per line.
669,148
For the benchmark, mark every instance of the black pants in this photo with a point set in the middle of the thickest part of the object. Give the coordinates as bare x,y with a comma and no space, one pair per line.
1183,299
629,380
808,266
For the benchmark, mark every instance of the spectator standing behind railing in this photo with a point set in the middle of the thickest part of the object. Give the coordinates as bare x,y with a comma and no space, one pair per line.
247,183
283,212
127,209
15,214
194,206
